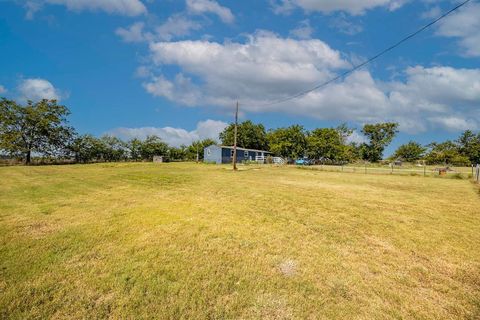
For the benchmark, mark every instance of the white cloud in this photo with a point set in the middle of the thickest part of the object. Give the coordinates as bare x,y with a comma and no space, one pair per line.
174,136
143,72
176,26
344,25
454,123
210,6
303,31
180,90
353,7
357,137
121,7
464,25
267,68
38,89
2,89
259,68
32,7
134,33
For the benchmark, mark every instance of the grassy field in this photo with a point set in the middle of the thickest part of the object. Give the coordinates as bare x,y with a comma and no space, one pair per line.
178,241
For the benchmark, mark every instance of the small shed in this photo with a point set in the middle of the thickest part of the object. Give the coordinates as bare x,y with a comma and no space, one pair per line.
224,154
158,159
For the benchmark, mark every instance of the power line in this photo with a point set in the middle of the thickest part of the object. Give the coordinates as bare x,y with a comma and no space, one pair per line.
378,55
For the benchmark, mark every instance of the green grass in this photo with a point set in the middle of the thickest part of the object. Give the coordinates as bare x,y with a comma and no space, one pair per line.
200,241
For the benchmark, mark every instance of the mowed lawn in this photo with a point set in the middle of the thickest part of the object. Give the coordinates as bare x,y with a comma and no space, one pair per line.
194,241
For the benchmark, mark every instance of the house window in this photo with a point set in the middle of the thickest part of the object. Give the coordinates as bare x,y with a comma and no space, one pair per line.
231,153
245,154
208,152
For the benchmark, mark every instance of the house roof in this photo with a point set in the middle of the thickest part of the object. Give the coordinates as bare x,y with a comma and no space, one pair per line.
244,149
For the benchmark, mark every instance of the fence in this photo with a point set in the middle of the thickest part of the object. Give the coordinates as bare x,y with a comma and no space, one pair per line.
454,172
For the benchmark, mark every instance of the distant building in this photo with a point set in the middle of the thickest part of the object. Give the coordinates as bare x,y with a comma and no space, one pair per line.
158,159
224,154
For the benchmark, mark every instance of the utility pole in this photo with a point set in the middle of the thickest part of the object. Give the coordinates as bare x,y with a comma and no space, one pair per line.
235,140
198,155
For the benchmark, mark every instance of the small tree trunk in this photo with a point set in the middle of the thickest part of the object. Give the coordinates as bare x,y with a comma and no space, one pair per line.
28,157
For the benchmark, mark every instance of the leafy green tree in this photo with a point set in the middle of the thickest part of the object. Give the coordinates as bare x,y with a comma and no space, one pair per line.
39,127
326,143
289,143
134,147
469,146
87,148
114,149
250,135
344,132
446,153
380,136
353,152
153,146
410,152
177,153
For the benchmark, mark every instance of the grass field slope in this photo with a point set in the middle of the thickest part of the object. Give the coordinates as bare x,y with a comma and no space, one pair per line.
187,241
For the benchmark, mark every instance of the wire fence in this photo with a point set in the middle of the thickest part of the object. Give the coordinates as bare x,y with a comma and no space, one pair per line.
425,171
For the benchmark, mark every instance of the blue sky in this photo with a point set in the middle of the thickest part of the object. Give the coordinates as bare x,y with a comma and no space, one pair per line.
176,67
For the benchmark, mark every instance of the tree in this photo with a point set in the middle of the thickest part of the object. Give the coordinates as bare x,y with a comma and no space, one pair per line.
380,136
250,136
114,149
446,153
344,132
410,152
469,146
134,147
289,143
177,153
87,148
153,146
326,143
39,127
191,151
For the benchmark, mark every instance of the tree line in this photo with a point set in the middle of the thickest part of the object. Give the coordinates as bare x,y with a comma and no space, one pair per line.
41,129
333,144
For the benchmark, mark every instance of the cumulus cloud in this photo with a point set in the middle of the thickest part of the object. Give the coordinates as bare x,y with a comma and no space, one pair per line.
177,26
174,27
454,123
267,67
180,90
121,7
353,7
38,89
134,33
259,68
174,136
303,31
464,25
210,6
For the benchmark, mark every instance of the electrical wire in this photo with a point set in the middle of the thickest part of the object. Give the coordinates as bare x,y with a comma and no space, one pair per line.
378,55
